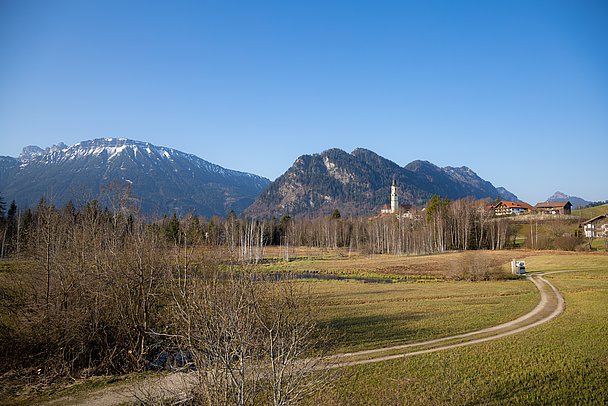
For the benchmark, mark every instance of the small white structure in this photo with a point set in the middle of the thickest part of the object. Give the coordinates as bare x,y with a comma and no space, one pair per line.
518,267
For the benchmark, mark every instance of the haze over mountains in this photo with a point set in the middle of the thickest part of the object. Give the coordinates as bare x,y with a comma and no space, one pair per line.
164,180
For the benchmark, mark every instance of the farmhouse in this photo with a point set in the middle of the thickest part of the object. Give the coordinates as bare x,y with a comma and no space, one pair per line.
505,208
596,227
554,208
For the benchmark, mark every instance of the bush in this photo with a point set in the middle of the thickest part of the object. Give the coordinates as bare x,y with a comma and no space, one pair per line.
477,266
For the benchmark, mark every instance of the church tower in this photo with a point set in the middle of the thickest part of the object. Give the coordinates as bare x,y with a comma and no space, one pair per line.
394,197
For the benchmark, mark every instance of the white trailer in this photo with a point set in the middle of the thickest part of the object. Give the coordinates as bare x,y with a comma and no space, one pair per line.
518,267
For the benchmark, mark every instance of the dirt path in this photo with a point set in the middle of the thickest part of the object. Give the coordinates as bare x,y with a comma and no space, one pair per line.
550,306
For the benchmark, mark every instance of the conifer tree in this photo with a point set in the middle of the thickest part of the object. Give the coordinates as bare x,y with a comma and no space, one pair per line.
2,207
173,231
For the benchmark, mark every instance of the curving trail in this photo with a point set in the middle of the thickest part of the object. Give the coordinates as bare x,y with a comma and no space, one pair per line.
550,306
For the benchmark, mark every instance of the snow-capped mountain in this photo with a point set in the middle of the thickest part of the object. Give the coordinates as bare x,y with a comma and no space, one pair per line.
162,180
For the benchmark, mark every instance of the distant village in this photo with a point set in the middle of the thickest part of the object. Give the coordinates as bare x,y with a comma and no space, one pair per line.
595,227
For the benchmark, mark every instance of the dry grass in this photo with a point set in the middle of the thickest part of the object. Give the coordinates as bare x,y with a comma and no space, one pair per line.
439,266
373,315
562,362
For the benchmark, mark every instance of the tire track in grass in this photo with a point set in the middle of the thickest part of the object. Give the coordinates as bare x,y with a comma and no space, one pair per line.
549,307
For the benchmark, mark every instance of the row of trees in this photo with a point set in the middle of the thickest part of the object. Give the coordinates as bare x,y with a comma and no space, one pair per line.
443,225
104,291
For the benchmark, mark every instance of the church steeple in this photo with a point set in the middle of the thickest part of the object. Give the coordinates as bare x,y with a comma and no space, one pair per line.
394,197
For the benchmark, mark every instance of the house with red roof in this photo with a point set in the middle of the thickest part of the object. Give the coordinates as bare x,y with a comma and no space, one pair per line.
506,208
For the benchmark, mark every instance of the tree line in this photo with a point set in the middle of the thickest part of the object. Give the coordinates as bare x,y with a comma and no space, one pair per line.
442,225
93,290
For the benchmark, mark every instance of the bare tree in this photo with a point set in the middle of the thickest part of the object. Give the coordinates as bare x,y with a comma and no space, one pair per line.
250,341
289,336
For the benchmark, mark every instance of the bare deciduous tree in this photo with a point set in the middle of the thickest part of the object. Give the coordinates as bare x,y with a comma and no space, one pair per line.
250,341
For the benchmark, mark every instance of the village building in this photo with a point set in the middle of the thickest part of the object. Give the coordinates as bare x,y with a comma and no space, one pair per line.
505,208
489,208
393,208
385,209
554,208
596,227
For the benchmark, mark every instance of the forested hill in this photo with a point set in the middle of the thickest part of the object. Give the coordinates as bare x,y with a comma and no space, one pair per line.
359,184
162,180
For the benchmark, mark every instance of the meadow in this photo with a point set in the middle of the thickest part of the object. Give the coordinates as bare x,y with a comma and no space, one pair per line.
591,212
562,362
446,266
372,315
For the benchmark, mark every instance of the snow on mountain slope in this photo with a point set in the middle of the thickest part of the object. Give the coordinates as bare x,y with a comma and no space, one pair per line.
162,180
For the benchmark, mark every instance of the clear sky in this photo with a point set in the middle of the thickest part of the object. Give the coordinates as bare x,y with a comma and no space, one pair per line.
517,90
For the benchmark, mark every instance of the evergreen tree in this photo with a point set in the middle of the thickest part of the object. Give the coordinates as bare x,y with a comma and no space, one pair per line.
2,207
173,231
436,206
28,218
12,210
284,225
9,242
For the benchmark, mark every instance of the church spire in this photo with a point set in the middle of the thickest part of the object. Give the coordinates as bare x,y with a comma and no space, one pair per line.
394,196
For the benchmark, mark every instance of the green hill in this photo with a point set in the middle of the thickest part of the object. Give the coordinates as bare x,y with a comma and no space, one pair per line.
591,212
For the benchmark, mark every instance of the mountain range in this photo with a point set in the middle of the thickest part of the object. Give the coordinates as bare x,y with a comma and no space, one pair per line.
359,183
164,180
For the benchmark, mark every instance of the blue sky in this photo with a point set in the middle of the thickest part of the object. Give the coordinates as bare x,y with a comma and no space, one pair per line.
516,90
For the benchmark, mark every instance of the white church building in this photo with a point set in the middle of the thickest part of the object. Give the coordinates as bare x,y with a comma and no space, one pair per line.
394,206
393,209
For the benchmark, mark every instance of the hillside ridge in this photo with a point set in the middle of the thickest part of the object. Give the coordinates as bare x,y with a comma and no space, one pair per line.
358,183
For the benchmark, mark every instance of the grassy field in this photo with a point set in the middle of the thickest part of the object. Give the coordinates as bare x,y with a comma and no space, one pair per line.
562,362
372,315
591,211
425,267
